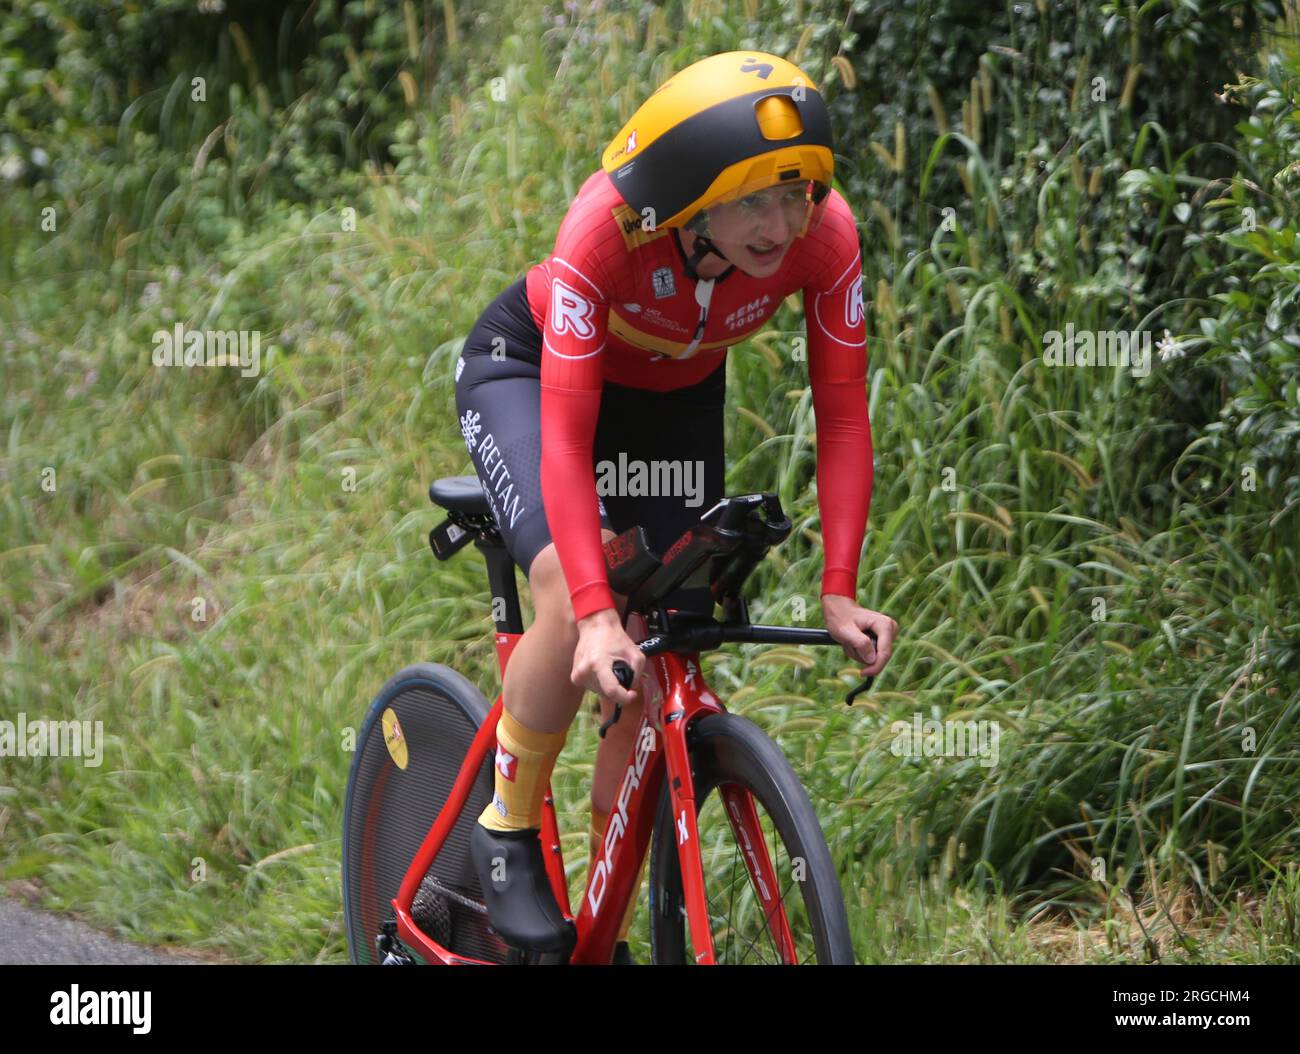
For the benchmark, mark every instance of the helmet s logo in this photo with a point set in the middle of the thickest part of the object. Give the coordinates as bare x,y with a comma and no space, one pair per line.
763,69
571,311
853,312
630,145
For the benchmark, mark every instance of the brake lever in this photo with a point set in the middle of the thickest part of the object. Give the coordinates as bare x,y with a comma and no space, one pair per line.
865,685
858,690
623,674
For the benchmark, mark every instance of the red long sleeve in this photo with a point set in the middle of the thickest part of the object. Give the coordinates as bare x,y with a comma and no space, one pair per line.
837,367
572,349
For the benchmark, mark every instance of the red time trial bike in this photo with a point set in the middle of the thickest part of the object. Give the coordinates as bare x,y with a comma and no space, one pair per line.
739,867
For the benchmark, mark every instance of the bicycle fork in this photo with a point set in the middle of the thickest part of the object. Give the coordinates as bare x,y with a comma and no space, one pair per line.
656,755
689,699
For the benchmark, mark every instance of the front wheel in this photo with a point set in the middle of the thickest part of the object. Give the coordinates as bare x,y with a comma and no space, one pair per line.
733,761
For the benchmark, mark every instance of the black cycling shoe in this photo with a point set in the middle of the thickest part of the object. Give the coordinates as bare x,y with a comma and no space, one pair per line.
521,907
622,956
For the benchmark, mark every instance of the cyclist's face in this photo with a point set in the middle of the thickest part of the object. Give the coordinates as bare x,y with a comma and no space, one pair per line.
755,231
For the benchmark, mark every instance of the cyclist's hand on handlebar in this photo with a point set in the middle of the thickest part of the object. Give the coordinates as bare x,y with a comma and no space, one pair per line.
601,640
848,623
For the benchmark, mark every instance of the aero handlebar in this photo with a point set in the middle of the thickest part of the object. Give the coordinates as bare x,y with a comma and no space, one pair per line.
711,635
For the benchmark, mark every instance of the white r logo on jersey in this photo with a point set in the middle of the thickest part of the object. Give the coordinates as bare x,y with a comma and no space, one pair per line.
571,311
853,304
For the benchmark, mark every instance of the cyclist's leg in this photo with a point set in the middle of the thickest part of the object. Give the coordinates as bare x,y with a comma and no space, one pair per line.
500,416
498,400
539,702
537,687
549,660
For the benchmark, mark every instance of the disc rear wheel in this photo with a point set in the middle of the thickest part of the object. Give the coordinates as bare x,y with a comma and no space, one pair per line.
412,744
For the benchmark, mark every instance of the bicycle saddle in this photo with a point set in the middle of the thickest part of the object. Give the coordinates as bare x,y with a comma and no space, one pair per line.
459,494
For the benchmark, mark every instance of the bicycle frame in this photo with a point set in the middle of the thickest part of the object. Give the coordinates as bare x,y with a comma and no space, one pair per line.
656,754
737,531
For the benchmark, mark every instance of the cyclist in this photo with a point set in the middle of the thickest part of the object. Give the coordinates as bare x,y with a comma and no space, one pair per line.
711,206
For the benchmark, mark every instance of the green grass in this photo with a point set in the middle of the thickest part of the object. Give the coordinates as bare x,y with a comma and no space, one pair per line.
1126,818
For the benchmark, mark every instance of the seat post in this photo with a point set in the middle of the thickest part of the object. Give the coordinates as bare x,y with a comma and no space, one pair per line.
503,585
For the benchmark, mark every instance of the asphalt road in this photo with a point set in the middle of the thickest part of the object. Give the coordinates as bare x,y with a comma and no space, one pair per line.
34,937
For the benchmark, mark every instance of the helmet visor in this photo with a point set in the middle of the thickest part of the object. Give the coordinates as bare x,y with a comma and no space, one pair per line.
747,214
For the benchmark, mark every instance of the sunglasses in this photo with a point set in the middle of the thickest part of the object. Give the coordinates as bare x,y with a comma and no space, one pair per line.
745,217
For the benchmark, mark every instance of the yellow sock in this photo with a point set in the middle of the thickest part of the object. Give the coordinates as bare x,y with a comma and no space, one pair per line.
523,760
594,834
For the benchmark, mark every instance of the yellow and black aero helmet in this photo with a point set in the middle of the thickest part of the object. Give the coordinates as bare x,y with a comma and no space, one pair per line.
722,128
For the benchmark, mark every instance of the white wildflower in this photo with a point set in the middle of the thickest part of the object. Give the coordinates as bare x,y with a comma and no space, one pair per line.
1169,348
